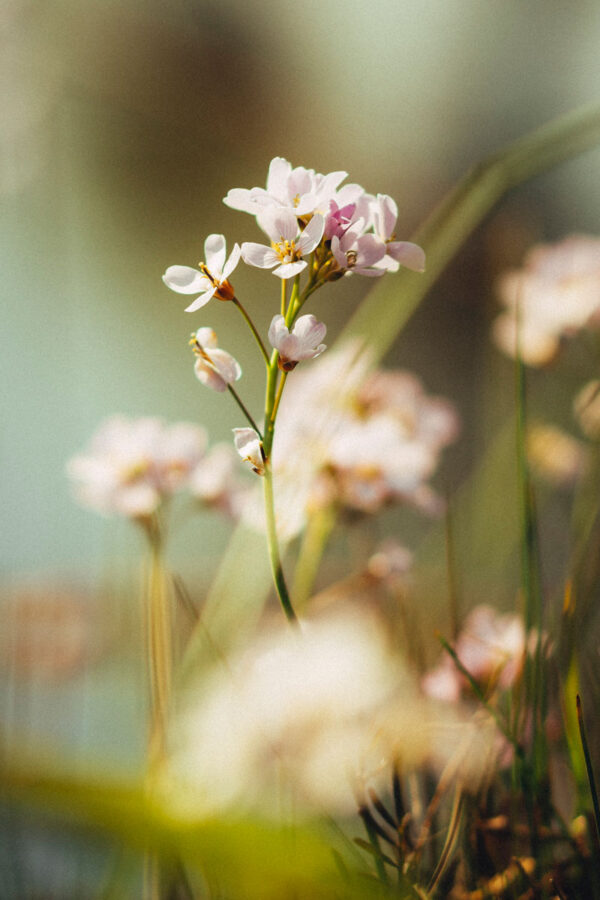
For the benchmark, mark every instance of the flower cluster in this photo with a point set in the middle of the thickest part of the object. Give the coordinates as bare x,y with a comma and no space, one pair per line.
377,439
133,465
554,295
491,647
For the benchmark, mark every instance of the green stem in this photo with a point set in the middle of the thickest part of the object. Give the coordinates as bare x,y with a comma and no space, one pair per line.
588,765
318,529
294,304
273,545
241,405
277,399
283,287
159,648
252,326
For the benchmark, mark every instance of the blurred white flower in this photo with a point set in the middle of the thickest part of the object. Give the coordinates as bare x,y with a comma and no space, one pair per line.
286,249
554,295
214,367
133,464
300,190
249,447
303,342
555,455
302,716
215,482
491,647
212,278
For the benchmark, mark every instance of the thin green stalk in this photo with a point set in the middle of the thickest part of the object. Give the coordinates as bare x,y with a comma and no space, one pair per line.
278,394
253,329
294,305
283,287
242,406
273,546
588,765
159,648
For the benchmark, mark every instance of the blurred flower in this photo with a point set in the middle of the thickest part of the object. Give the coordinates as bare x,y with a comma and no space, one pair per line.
283,721
133,464
586,407
287,249
391,563
214,367
385,216
300,190
211,280
555,455
249,447
215,481
491,647
554,295
304,341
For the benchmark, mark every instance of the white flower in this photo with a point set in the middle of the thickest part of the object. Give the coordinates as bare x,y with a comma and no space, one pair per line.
287,249
214,480
214,367
304,341
299,190
211,279
358,252
554,295
248,445
385,216
133,464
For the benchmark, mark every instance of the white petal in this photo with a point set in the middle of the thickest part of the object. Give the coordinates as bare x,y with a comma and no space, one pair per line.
185,280
247,444
259,255
407,254
370,249
201,301
228,368
312,234
277,331
309,331
243,200
288,270
385,216
208,376
234,258
214,253
279,172
279,223
207,338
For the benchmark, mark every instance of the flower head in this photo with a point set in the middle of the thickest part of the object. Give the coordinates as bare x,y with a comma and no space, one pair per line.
287,248
358,252
214,367
385,216
303,342
133,464
300,190
248,445
212,280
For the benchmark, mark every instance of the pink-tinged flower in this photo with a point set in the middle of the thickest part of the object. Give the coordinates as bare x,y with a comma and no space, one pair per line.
358,252
215,483
248,445
303,342
214,367
299,190
397,253
554,295
212,280
287,249
132,465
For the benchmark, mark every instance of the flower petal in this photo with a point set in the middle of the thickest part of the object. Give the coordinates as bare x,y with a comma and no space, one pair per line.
209,376
288,270
207,338
228,368
385,216
279,172
214,253
259,255
312,234
277,331
279,223
234,258
407,254
186,280
201,301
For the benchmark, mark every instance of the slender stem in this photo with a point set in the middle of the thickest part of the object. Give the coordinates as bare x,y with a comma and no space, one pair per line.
293,306
242,406
272,374
159,644
252,326
274,556
588,765
278,396
318,530
283,287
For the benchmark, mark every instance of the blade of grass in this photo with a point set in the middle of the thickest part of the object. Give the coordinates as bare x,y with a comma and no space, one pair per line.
588,765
